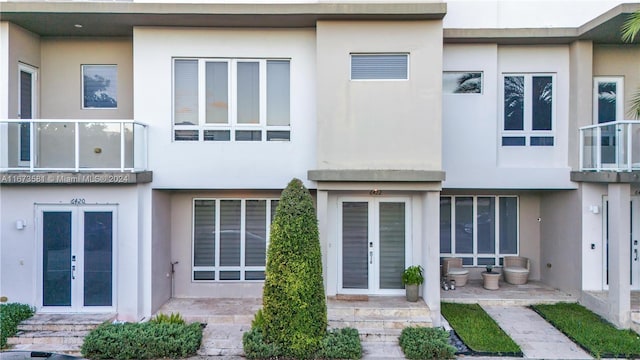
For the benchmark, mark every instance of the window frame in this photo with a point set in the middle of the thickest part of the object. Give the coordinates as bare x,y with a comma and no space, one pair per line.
528,133
496,255
445,72
242,268
232,126
82,88
356,54
619,81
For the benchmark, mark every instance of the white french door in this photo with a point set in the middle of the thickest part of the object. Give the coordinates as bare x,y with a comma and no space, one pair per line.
77,252
375,244
634,243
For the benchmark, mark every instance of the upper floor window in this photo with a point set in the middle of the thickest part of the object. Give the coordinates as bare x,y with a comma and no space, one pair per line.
529,109
99,86
459,82
608,99
379,66
231,100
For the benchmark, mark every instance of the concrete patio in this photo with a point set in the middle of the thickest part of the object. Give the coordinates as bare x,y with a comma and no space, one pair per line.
533,292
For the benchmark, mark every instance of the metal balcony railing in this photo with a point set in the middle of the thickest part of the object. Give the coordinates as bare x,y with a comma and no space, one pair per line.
72,145
611,146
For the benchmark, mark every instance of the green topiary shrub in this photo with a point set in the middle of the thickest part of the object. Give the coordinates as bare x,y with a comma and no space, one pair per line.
142,341
341,344
10,316
254,346
294,308
426,343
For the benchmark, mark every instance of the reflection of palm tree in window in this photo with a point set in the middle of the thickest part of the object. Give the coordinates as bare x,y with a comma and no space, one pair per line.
96,94
513,102
469,83
606,102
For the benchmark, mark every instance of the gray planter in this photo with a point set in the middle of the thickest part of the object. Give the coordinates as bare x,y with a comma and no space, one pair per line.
412,292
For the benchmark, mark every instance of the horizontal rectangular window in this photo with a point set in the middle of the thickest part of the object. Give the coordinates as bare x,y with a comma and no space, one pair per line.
230,238
514,141
219,98
541,141
478,229
278,135
454,82
379,66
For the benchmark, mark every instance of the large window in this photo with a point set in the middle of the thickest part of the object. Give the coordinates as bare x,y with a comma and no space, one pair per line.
528,110
99,86
230,238
479,229
231,100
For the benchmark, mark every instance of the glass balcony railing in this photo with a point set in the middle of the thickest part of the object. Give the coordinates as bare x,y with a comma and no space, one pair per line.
72,145
611,146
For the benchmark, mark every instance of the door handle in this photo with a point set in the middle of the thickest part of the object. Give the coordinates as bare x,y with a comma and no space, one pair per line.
73,272
370,257
635,252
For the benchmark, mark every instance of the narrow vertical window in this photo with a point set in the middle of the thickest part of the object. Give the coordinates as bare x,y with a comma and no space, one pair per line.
514,102
464,225
217,92
508,225
185,92
485,220
248,93
278,97
445,225
541,100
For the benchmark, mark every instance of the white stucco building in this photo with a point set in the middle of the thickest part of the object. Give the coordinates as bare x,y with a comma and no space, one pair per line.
144,145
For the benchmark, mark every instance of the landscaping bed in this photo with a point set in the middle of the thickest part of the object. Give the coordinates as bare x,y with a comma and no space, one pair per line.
480,333
10,316
590,331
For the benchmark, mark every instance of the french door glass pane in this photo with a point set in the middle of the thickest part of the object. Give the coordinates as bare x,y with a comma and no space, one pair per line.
56,258
98,258
514,102
542,98
255,232
230,212
392,244
464,225
508,219
278,92
185,96
204,242
486,215
26,112
248,93
445,225
217,92
607,98
355,239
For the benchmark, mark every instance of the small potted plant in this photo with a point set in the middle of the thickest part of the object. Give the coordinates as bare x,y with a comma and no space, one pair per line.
412,278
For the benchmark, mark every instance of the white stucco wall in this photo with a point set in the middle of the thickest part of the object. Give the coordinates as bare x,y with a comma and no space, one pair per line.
472,153
18,260
231,165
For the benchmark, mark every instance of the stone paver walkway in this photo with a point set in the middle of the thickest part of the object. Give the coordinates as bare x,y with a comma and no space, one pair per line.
537,338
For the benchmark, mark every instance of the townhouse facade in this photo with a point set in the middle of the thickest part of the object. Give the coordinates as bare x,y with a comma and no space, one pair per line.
143,147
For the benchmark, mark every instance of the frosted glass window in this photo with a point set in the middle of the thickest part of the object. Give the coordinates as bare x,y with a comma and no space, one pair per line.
248,94
278,96
185,92
217,92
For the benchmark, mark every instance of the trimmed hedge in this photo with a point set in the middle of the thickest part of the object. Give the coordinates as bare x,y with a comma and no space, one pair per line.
294,308
336,344
426,343
142,341
10,316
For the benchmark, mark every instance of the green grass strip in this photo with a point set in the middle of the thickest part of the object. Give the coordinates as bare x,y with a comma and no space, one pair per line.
590,331
477,329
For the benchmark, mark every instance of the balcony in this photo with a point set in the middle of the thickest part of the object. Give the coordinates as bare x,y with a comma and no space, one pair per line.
612,146
44,145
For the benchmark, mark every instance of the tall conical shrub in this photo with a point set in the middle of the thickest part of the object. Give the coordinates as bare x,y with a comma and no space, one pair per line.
294,307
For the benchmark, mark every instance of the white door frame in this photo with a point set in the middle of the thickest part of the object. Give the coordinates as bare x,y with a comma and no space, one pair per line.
373,228
634,243
77,250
